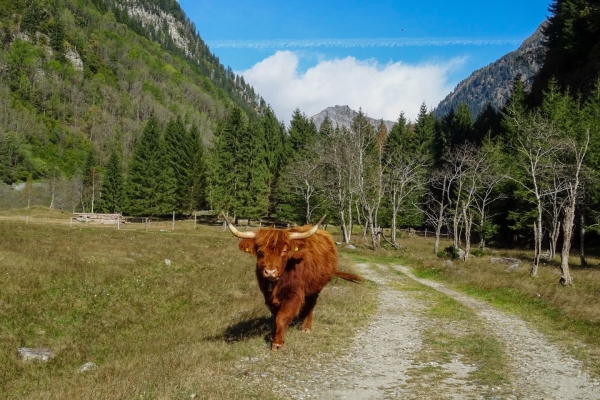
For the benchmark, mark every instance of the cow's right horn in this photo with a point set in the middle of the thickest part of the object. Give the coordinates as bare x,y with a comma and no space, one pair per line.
233,229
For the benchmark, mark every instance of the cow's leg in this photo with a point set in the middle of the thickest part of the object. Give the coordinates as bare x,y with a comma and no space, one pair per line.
306,314
288,310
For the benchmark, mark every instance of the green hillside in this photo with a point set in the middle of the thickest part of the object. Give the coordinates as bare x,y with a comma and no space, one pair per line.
83,74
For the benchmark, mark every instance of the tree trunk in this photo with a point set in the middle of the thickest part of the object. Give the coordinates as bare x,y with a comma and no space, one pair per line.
534,267
468,224
554,233
582,240
566,278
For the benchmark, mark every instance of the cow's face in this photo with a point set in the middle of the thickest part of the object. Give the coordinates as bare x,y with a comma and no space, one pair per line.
273,249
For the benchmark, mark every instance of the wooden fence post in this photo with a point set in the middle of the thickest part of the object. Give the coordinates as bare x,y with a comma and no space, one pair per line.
173,225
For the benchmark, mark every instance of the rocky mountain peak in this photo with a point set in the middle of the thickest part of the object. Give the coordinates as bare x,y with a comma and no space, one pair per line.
343,116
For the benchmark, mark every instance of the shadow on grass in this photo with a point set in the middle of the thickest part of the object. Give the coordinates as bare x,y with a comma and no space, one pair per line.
249,329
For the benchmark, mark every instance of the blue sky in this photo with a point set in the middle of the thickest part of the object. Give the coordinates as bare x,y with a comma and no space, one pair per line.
383,56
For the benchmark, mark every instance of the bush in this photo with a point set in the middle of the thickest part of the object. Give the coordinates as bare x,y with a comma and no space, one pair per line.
479,253
449,252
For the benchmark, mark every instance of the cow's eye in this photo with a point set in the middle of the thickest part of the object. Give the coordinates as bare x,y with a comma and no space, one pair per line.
259,253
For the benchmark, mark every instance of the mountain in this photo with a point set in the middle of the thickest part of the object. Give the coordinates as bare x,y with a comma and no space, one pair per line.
493,83
343,116
82,75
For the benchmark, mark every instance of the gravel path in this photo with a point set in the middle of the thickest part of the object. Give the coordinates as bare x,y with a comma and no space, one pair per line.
380,362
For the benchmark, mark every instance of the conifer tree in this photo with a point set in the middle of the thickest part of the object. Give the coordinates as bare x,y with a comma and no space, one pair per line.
180,153
274,141
241,175
197,179
302,134
151,185
112,187
432,141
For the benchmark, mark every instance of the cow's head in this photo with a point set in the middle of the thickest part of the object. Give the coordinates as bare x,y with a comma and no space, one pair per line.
272,247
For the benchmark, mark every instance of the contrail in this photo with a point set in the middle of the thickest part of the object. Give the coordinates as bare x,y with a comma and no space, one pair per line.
340,43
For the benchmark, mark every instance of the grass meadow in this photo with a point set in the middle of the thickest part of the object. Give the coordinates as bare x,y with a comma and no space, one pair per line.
156,331
93,293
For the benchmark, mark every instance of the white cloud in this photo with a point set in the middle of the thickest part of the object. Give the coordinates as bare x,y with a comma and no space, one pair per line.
382,91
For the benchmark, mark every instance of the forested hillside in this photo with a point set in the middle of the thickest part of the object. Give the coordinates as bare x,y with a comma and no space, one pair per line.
83,75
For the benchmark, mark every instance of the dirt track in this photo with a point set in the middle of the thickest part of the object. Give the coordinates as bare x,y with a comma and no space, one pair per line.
381,364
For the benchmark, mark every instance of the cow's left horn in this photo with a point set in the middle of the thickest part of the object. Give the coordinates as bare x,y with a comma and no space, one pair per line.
307,234
233,229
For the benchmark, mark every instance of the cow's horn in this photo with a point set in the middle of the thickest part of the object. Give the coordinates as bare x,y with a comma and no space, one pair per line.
241,235
309,233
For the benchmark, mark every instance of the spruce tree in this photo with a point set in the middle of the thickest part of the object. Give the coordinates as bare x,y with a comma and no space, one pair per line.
274,141
112,186
302,134
151,184
180,153
197,179
226,180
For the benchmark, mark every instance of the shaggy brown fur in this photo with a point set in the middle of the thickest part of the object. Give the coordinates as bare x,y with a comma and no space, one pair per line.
292,273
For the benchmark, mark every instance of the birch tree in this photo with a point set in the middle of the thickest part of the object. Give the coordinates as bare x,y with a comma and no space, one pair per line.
535,146
573,182
338,179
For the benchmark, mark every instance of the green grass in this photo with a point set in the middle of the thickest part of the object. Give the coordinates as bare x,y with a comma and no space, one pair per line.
95,293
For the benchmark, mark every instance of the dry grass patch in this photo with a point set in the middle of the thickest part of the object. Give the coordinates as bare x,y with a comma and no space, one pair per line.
156,331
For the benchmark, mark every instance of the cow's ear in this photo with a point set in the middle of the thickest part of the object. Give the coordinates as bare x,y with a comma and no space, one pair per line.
247,245
297,245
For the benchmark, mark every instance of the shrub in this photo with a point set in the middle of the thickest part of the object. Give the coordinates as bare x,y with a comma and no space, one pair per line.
449,252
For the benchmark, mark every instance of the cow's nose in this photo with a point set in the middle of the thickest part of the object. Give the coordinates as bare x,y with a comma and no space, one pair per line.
270,273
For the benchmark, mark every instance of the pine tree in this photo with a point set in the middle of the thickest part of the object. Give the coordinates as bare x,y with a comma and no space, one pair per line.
432,141
274,140
180,153
461,126
302,134
113,185
151,185
197,180
227,177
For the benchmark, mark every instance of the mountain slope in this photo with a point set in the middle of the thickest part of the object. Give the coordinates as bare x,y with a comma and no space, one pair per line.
343,116
493,83
82,74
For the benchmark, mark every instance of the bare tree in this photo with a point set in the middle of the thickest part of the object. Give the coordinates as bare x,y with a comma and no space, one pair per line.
338,181
367,157
536,145
467,165
573,186
305,177
436,202
404,178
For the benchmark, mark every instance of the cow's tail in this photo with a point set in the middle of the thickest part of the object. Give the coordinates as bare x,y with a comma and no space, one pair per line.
349,277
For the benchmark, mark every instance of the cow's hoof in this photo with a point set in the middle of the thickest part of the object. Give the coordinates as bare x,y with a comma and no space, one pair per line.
276,346
306,330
